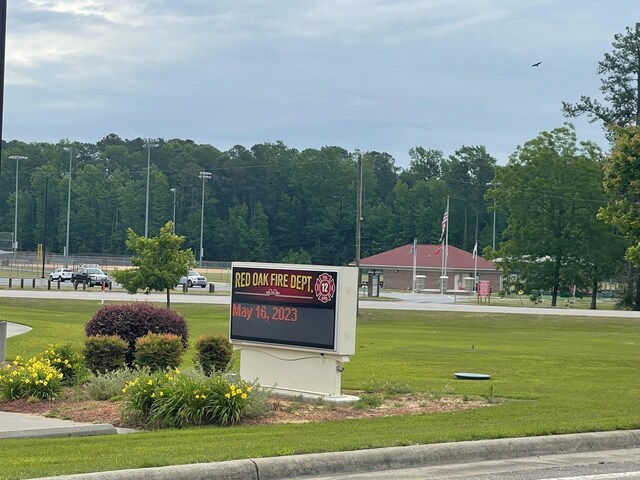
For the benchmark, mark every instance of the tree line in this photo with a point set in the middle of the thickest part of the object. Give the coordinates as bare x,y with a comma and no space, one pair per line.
266,203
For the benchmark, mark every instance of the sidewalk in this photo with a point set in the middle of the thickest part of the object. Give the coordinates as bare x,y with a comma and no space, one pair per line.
20,425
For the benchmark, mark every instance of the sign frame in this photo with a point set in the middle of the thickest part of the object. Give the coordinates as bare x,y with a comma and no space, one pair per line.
296,307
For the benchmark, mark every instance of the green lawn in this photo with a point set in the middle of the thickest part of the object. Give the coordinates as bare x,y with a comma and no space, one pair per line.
557,374
561,302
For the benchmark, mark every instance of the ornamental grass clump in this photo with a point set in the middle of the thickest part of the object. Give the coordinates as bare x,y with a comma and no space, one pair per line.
178,400
109,385
36,378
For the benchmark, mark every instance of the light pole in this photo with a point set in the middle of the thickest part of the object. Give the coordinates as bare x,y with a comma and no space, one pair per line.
493,242
173,229
44,236
146,213
15,224
66,248
203,176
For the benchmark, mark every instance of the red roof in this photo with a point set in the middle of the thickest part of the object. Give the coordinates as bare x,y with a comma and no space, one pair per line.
427,256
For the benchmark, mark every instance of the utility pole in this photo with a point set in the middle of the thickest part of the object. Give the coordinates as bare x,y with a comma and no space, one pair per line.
358,227
3,38
204,176
146,210
173,229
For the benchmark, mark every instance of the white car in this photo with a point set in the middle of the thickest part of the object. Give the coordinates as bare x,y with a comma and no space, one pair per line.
61,274
194,279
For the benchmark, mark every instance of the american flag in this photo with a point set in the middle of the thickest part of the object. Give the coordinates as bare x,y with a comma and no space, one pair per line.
445,218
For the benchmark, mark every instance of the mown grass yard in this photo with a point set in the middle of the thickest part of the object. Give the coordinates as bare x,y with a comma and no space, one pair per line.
553,374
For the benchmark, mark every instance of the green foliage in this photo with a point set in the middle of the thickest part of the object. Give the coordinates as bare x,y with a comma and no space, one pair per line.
109,385
619,86
105,353
389,387
548,188
214,353
132,321
159,351
369,400
622,185
158,262
35,378
64,358
299,256
250,216
175,399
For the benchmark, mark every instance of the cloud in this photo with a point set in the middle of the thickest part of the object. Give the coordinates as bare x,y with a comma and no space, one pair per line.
390,74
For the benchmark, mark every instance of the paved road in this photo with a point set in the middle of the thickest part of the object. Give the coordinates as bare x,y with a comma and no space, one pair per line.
599,465
406,301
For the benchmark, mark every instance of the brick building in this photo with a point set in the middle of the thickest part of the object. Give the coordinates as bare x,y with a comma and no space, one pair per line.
396,267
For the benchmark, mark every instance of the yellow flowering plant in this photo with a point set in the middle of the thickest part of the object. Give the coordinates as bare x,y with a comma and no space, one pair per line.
191,398
35,378
232,400
65,359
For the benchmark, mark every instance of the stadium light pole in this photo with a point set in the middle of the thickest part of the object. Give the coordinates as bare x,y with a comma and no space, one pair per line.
146,212
66,248
203,176
493,242
174,210
17,158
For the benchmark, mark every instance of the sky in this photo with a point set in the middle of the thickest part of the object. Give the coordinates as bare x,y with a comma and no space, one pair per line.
373,75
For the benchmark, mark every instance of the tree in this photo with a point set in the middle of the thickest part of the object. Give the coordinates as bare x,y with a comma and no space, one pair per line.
620,84
158,263
622,185
425,164
548,186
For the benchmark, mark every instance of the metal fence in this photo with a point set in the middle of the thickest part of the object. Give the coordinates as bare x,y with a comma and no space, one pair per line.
30,264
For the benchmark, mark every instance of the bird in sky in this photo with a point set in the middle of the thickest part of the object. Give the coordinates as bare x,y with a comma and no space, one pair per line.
537,64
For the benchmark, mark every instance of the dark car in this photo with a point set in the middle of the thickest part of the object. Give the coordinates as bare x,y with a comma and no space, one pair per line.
91,275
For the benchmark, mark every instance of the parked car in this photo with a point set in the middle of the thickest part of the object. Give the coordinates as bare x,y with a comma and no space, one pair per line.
61,274
91,275
193,279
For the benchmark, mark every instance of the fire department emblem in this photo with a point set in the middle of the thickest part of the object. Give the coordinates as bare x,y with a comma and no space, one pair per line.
325,287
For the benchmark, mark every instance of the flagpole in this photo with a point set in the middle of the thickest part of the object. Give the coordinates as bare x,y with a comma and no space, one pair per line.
446,247
415,241
442,264
475,268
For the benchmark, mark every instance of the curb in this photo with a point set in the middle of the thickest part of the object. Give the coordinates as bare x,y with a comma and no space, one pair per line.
392,458
72,431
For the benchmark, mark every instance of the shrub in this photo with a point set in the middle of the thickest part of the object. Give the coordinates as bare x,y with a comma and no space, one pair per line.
159,351
178,400
109,385
213,353
134,320
36,378
105,353
65,359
